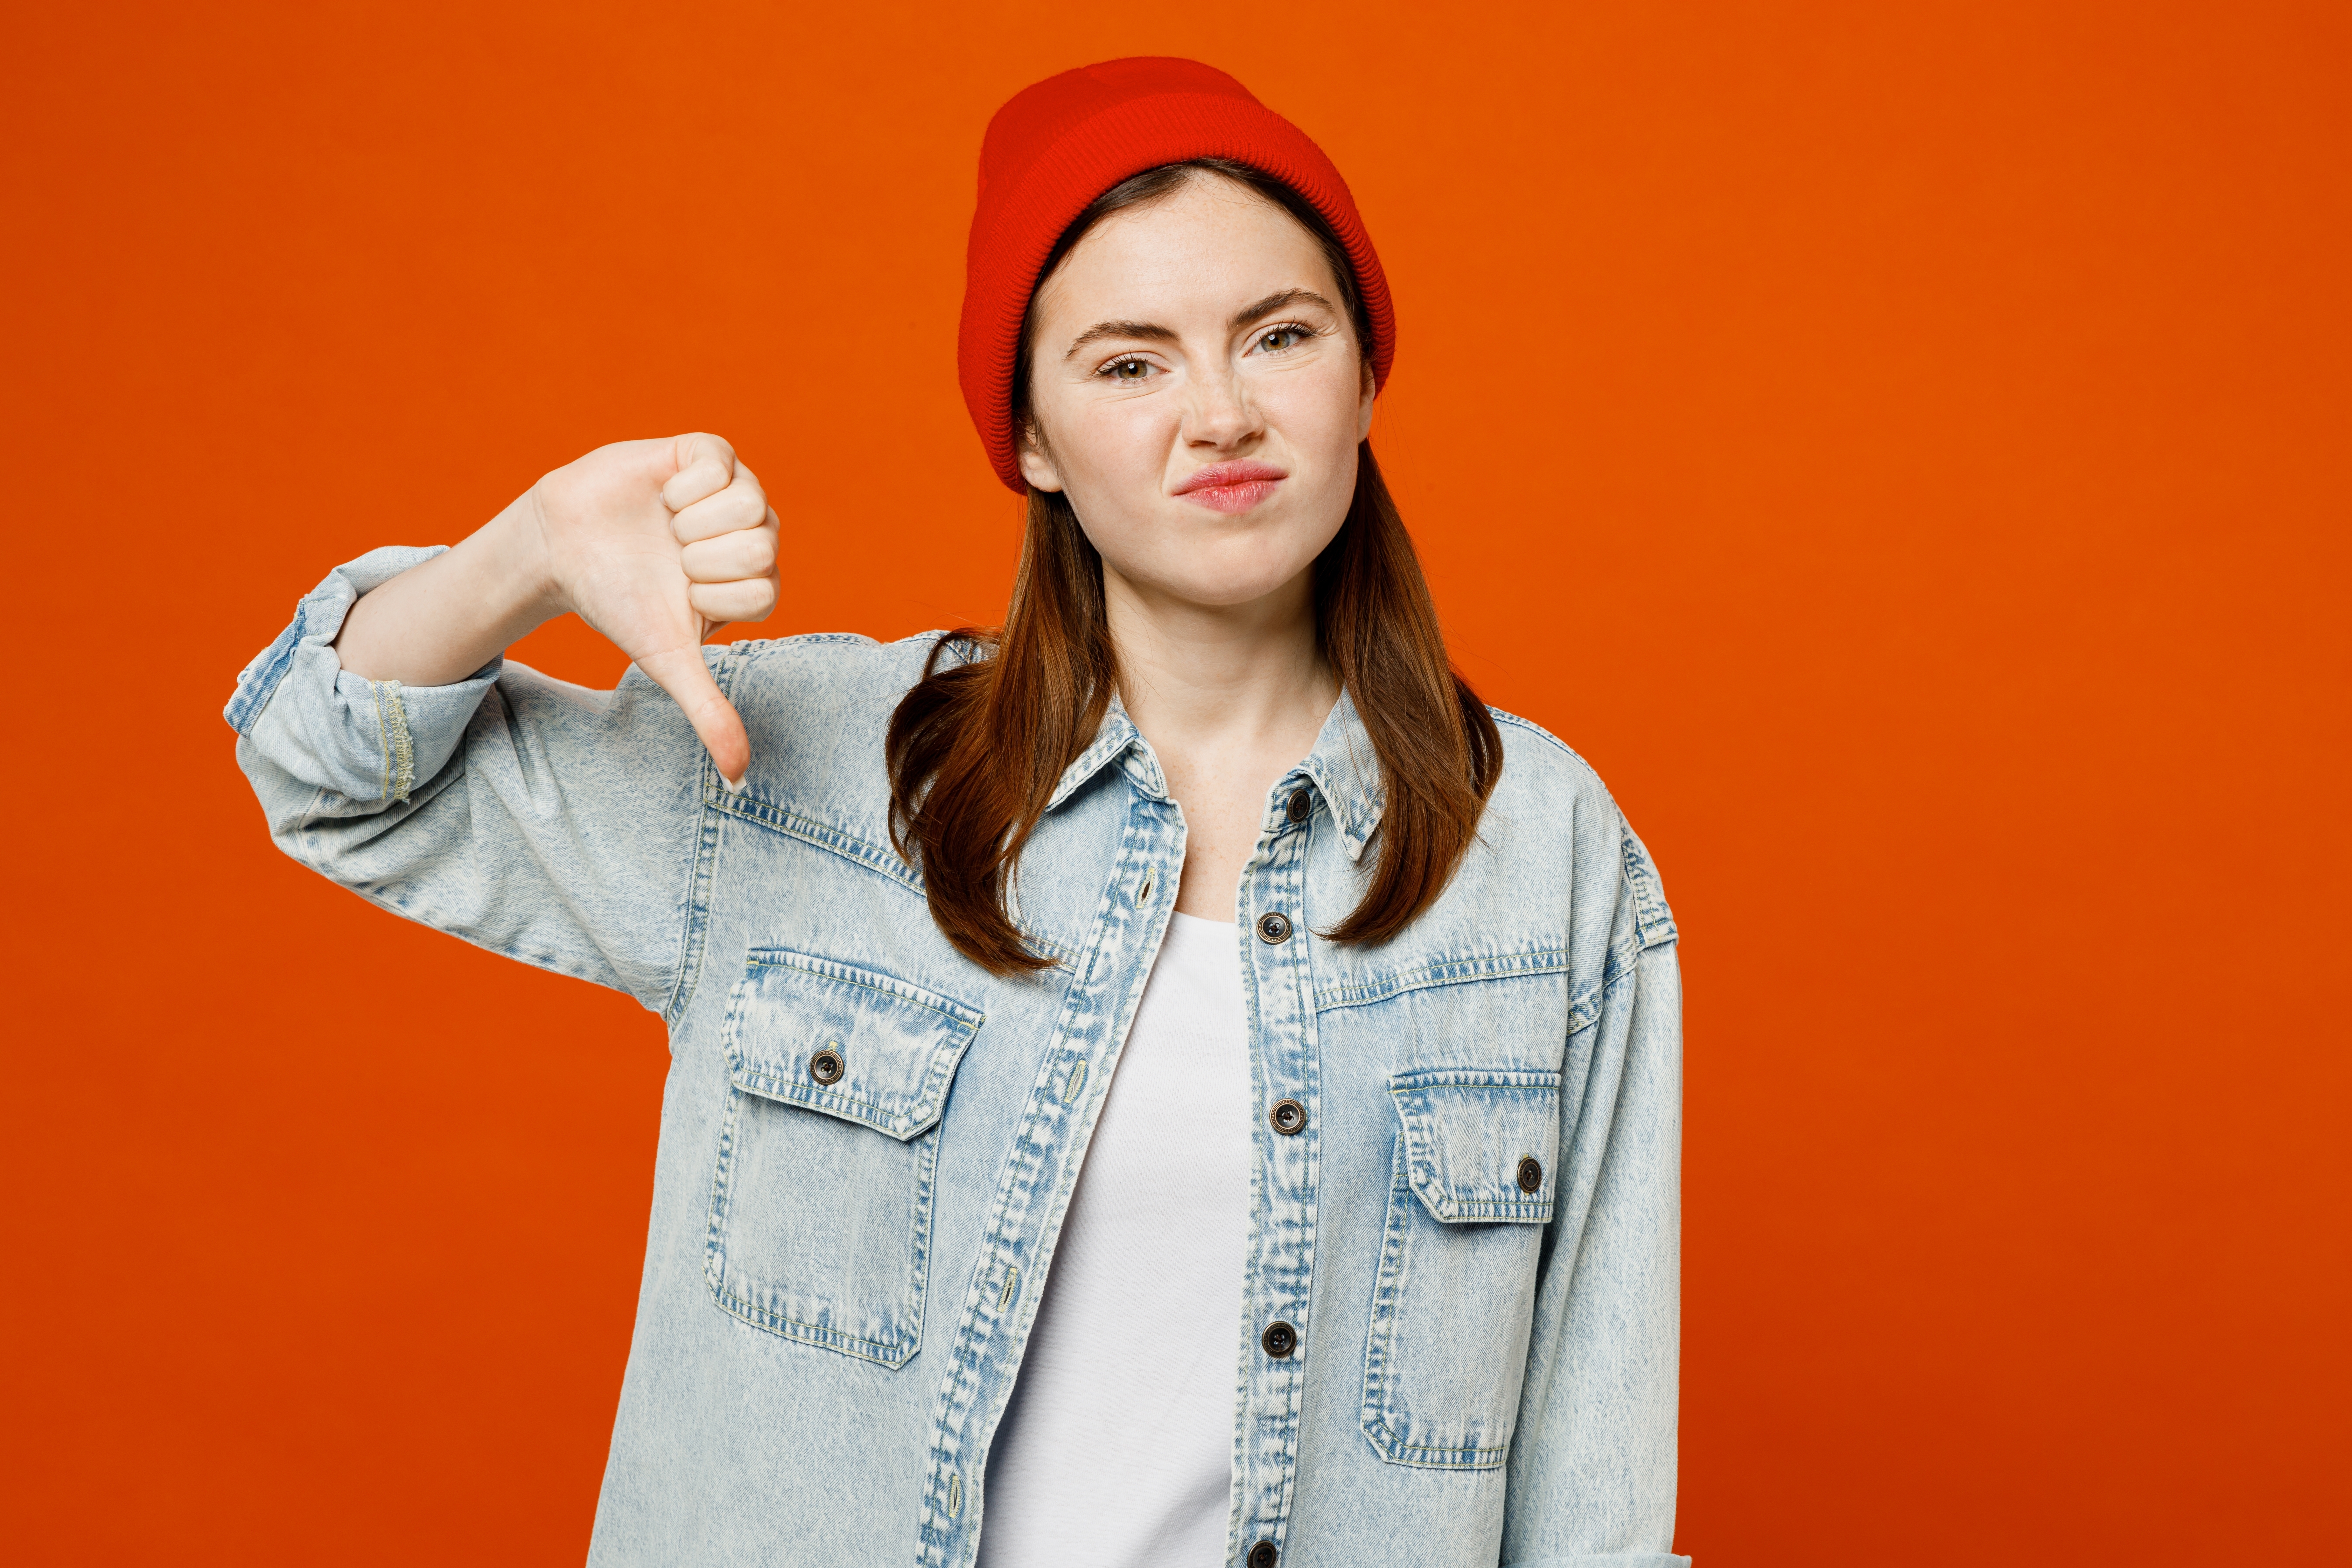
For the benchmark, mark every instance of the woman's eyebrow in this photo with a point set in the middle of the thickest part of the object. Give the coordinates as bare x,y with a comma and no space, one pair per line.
1282,301
1152,332
1149,331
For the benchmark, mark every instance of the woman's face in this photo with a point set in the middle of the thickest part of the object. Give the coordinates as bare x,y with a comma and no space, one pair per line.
1197,389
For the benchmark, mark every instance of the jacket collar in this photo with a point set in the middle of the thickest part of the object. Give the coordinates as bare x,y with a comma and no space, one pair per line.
1343,768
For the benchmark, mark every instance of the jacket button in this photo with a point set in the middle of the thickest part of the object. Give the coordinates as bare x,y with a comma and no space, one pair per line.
826,1066
1288,1117
1263,1555
1300,805
1272,927
1279,1340
1530,1173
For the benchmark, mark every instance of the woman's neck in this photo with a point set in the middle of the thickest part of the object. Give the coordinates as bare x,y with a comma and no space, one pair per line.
1231,698
1217,676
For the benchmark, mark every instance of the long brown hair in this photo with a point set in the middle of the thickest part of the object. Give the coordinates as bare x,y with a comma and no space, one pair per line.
977,746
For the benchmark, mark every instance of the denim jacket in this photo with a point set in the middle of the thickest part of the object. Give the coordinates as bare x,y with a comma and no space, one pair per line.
868,1143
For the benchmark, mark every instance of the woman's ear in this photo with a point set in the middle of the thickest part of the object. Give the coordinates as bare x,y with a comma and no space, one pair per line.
1036,466
1364,412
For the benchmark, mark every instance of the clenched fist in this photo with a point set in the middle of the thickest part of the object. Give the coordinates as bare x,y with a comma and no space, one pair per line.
655,543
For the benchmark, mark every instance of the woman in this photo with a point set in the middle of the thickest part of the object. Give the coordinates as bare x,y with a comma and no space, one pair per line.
1374,1259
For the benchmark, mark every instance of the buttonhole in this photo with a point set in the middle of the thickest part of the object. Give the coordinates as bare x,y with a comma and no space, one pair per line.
1005,1295
955,1496
1077,1082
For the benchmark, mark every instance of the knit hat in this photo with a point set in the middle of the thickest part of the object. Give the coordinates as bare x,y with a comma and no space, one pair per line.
1064,140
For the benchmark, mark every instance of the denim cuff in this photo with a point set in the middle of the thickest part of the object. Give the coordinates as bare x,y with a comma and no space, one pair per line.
367,741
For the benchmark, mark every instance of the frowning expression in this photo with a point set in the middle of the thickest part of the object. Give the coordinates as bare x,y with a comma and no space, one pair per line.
1197,391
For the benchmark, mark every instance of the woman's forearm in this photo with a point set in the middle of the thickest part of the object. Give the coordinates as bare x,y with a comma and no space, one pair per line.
440,622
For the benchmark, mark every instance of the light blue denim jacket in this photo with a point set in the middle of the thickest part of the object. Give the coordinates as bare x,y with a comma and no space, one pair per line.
1475,1233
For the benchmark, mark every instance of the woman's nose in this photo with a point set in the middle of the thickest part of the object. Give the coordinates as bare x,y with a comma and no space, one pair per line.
1218,412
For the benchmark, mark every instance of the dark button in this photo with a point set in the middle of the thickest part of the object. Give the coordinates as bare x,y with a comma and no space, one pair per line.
1272,927
826,1066
1300,805
1530,1173
1263,1555
1288,1117
1279,1340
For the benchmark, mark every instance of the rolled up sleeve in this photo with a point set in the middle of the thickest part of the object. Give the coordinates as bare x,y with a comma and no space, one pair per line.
551,823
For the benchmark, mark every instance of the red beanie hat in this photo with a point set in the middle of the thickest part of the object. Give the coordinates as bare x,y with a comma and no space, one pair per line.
1062,142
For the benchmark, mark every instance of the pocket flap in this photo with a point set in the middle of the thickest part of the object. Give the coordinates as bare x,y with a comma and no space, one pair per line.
893,1046
1480,1143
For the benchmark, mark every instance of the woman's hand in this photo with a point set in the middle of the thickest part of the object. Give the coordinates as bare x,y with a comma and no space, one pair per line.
655,543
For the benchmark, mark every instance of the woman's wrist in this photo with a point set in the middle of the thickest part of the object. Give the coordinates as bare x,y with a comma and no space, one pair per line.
438,623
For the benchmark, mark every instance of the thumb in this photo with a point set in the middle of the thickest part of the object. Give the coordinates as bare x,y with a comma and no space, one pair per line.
682,674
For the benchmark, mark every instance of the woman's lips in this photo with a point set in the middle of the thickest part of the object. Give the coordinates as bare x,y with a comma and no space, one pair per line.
1231,487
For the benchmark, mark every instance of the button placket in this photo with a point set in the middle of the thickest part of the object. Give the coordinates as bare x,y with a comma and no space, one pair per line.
986,1349
1278,956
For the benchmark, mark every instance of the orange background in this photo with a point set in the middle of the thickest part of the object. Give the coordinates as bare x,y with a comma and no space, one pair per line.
1904,447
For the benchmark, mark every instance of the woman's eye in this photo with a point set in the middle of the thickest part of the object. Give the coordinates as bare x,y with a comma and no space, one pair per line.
1282,338
1129,370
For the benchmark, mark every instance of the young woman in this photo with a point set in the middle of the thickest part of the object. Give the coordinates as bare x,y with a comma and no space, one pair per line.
1174,1081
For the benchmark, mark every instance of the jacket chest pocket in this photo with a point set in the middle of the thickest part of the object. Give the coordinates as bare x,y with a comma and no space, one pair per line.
1469,1199
821,1207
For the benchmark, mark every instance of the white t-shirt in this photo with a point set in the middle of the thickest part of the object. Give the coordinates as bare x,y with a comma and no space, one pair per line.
1116,1448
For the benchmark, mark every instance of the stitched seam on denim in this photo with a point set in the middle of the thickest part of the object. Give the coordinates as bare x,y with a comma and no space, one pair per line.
1445,972
752,647
399,750
383,743
1622,968
1091,762
1532,728
848,1107
813,1333
694,940
1442,1458
1044,946
824,835
1458,1209
788,1091
1359,805
959,649
1651,916
1586,1010
1388,1287
946,1007
1473,1077
255,693
693,937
